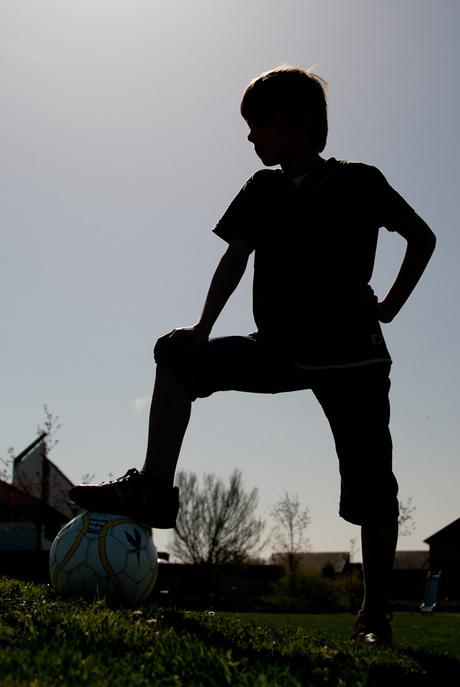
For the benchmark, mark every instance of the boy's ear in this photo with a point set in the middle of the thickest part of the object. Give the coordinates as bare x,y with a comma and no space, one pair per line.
306,118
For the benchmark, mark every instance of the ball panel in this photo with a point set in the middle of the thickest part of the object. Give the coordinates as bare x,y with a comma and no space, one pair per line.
109,555
69,544
150,583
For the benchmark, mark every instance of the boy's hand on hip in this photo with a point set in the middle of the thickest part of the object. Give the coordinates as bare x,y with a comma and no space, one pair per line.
383,313
368,299
194,335
377,308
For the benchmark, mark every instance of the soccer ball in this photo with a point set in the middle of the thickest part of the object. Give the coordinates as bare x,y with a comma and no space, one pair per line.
98,555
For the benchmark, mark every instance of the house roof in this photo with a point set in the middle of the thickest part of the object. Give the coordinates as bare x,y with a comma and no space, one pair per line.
317,561
16,504
411,560
12,496
31,446
449,533
24,455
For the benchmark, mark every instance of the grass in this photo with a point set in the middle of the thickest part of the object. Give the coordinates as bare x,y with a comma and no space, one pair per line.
436,632
46,640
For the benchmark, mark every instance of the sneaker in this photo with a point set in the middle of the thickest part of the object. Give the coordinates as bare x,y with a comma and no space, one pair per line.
141,497
373,630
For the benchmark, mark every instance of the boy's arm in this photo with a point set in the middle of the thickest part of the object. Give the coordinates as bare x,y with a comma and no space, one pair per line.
420,245
225,280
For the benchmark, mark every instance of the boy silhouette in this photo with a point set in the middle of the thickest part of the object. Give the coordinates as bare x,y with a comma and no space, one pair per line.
312,224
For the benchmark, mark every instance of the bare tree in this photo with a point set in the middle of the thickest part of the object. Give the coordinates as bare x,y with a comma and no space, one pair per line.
216,523
405,521
7,466
353,548
289,530
50,427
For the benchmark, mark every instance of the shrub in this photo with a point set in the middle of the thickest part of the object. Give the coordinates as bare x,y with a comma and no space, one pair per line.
305,591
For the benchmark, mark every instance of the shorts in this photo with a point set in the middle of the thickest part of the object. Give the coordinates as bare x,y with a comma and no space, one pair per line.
355,402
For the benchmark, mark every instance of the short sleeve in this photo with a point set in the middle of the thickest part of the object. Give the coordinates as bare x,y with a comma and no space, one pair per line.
386,204
235,222
245,217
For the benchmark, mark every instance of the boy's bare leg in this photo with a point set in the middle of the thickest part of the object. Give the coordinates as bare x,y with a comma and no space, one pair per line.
378,549
169,416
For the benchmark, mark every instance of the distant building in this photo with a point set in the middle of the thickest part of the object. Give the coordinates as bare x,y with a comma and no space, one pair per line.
410,570
445,548
412,560
34,473
36,505
26,524
445,558
337,562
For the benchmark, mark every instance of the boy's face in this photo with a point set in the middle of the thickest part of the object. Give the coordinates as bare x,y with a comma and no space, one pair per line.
275,140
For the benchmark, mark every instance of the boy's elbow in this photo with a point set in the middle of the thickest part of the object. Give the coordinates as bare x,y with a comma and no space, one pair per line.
417,232
429,240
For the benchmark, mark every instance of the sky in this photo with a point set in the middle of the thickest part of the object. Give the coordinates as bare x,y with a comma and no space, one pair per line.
121,146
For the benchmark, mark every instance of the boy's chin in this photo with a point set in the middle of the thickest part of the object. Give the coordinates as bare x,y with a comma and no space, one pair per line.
266,159
268,162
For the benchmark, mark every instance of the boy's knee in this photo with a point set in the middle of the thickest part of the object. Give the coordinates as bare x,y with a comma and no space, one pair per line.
187,369
371,504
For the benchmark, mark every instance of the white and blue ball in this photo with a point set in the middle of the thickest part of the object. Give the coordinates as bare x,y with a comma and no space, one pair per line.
99,555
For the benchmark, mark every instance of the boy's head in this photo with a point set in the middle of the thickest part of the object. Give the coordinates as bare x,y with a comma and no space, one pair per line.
297,93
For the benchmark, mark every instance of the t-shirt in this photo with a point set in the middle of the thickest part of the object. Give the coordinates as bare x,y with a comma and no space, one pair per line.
314,245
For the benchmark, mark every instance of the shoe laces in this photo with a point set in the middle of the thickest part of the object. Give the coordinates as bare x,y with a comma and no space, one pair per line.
131,473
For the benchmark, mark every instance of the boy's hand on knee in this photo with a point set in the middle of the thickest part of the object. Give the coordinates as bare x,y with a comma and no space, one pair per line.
195,336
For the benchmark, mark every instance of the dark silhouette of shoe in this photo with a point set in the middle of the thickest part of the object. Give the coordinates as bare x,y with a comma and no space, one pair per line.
140,496
373,629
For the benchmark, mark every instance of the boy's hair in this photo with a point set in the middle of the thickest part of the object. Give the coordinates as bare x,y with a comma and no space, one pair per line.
292,90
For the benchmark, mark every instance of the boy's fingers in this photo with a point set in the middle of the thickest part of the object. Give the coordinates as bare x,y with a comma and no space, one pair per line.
366,293
163,344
